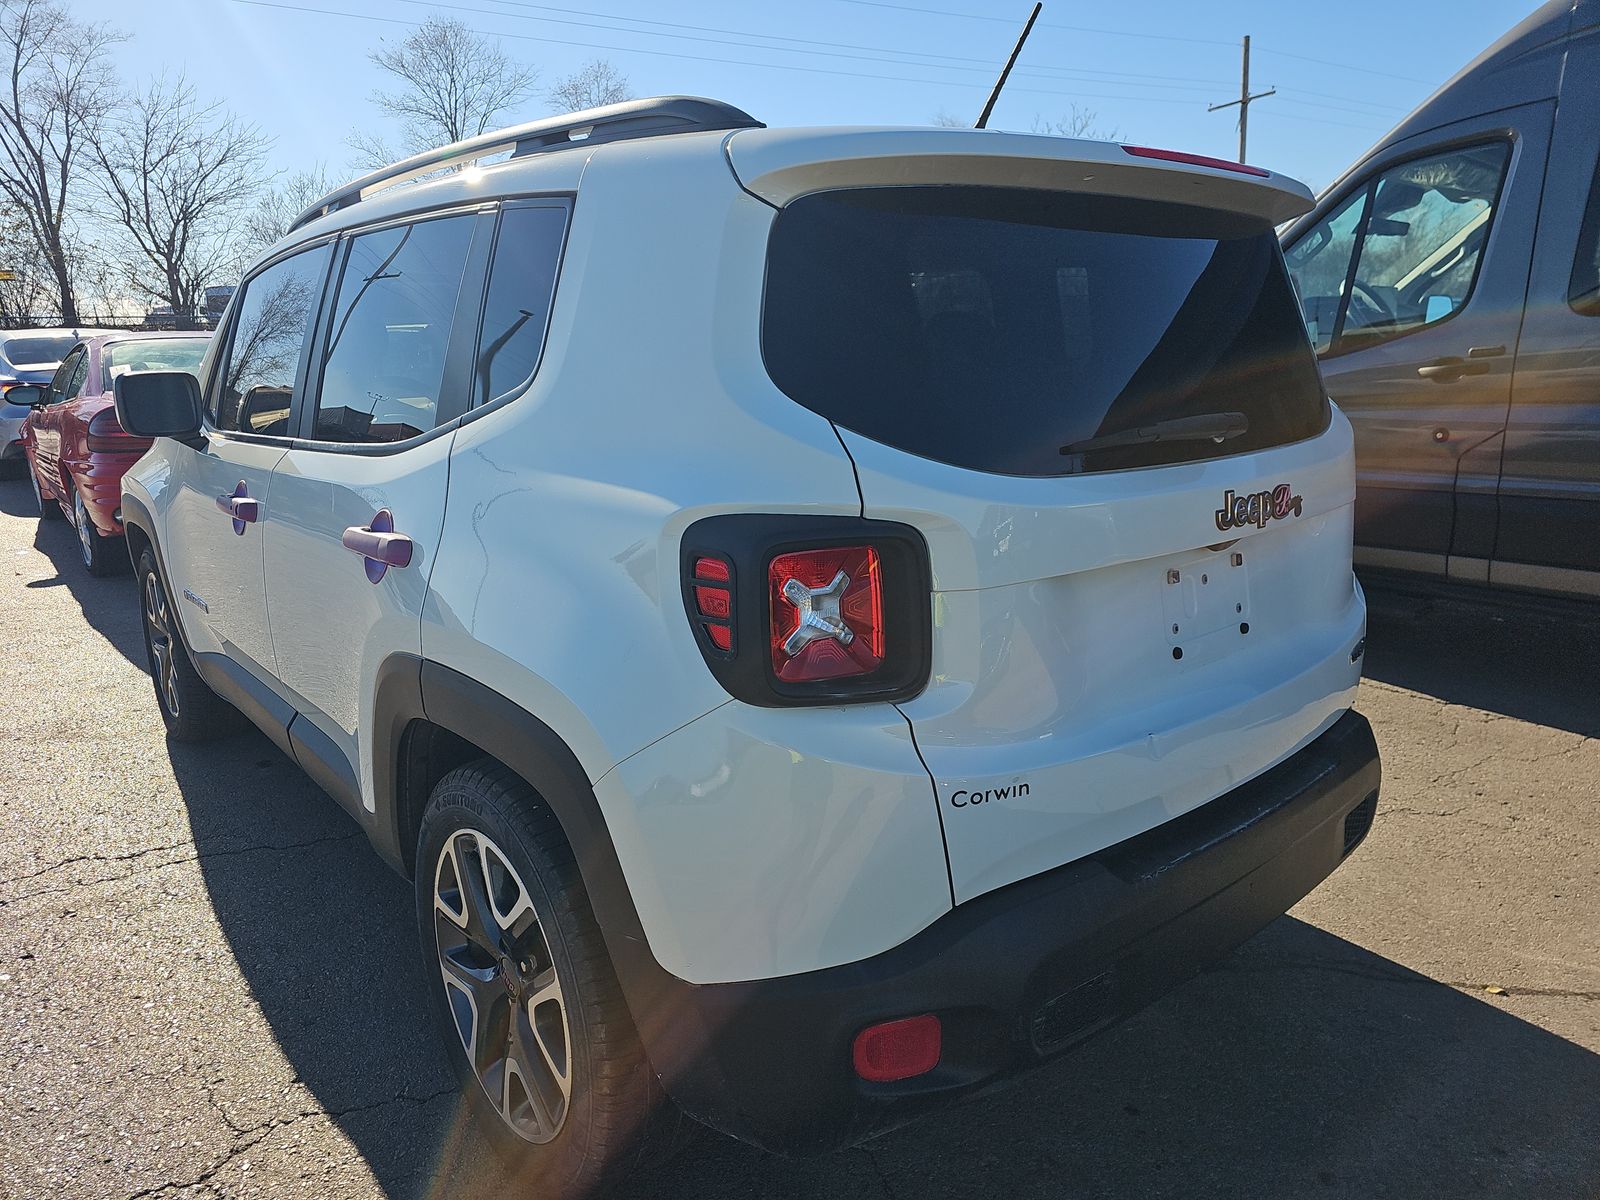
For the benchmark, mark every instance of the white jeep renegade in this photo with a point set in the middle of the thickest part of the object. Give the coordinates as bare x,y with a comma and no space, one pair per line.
829,618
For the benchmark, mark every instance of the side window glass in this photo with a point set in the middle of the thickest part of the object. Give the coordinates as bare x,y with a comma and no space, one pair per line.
1424,240
383,370
61,382
1319,264
275,317
522,280
80,372
1584,294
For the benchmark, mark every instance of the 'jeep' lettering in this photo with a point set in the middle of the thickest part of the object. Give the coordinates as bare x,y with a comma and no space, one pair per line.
965,799
1257,508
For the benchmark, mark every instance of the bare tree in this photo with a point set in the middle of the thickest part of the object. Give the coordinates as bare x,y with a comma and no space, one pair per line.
1079,123
594,84
278,207
454,84
945,119
23,272
59,91
178,175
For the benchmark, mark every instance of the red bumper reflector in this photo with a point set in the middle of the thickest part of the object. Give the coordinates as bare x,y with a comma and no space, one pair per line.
712,602
721,636
713,569
898,1050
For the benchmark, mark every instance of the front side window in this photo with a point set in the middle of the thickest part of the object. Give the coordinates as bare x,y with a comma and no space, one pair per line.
68,379
275,318
383,369
522,280
1584,294
154,354
1028,332
1422,227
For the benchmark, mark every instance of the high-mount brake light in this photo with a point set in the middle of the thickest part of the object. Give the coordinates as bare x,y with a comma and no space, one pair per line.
827,613
1196,160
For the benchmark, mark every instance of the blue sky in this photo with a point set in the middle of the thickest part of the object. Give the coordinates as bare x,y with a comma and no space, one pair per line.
1346,73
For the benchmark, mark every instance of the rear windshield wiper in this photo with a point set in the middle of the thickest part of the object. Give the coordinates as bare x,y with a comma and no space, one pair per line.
1209,427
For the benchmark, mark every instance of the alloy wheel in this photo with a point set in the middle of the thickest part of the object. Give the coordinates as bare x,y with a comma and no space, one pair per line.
504,993
163,662
86,533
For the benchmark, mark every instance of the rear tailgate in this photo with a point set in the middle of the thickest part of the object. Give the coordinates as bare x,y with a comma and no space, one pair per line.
1131,616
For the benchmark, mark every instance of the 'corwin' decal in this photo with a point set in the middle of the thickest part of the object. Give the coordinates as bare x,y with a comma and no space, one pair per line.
965,799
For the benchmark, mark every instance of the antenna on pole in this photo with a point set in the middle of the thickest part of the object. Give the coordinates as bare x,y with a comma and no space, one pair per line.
983,121
1243,101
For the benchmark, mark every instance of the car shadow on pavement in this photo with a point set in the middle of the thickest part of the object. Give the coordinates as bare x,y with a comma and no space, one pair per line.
110,605
1504,656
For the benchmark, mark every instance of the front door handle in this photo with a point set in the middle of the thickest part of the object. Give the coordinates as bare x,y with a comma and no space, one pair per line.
1448,370
379,544
241,506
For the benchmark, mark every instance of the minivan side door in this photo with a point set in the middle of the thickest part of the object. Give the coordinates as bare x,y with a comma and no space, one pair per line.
213,557
1549,532
1412,286
390,374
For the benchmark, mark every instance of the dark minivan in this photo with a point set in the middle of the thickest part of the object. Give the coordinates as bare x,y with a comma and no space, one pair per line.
1450,282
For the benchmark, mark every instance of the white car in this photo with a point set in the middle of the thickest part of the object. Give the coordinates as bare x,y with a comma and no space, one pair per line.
828,618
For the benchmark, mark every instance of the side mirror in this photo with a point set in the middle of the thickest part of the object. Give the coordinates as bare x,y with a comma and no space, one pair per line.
154,404
27,395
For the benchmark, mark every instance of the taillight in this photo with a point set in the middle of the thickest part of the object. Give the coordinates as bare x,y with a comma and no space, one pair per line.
105,433
713,600
810,610
826,609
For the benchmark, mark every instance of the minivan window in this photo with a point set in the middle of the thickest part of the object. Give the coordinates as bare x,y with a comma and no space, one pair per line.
1422,225
1584,295
275,317
522,280
383,368
991,327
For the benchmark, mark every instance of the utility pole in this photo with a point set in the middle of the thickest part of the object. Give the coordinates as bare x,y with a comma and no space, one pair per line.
1244,100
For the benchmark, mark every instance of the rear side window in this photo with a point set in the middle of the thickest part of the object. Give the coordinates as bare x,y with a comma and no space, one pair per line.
516,312
275,318
38,351
991,327
1585,292
383,369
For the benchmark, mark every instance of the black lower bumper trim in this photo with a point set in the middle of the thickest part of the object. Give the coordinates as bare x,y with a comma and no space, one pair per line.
1017,975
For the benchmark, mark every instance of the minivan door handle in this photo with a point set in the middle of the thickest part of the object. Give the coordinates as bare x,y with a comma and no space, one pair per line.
1448,370
379,544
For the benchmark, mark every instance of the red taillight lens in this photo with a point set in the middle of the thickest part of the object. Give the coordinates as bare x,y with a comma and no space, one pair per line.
105,433
898,1050
1195,160
827,613
713,600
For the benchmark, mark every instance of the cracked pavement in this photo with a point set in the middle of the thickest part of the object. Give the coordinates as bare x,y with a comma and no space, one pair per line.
210,987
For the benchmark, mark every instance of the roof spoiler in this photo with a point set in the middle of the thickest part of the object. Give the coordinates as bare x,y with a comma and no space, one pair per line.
611,123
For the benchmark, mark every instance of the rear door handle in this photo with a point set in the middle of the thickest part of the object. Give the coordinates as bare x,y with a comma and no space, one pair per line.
241,506
379,544
1448,370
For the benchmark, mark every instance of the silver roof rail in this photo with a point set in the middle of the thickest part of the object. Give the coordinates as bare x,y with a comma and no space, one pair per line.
611,123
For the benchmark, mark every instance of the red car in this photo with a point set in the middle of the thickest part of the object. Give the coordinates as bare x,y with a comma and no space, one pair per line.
75,449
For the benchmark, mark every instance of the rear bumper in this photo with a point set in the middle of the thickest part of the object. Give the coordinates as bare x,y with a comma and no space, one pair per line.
1016,976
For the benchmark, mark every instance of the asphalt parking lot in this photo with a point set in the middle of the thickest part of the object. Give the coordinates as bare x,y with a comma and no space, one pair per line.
209,986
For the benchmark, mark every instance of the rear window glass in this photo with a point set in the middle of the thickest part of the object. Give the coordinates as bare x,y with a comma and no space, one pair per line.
31,351
990,327
156,354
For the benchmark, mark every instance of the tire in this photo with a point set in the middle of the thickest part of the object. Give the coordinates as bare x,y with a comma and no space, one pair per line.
191,711
608,1114
101,556
49,510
